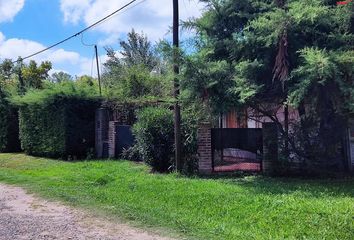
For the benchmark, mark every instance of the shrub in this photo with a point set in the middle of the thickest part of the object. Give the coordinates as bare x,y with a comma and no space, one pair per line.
191,116
132,154
154,137
9,140
57,122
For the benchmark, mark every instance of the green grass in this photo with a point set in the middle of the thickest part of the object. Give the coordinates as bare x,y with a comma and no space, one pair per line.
244,208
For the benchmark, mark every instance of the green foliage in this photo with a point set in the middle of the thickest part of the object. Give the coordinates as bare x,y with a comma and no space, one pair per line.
138,50
154,137
228,209
137,73
59,77
135,82
8,81
245,80
42,130
318,69
209,81
33,75
54,91
192,115
58,121
4,105
9,137
294,51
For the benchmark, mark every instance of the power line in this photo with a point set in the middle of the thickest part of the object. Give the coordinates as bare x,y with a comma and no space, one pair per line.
78,33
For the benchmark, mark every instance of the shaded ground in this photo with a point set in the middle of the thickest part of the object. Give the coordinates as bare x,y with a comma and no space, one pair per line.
23,216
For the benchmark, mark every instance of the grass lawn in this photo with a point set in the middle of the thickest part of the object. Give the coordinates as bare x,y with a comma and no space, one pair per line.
244,208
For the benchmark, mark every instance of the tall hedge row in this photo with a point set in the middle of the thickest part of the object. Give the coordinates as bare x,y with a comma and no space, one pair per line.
63,128
9,140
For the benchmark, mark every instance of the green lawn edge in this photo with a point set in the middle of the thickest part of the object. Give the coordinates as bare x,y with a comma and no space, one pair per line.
252,207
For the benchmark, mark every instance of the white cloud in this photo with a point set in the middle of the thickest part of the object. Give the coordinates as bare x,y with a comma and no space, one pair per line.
9,9
60,58
2,37
153,17
74,10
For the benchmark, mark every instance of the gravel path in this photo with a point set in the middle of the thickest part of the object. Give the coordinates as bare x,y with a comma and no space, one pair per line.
24,216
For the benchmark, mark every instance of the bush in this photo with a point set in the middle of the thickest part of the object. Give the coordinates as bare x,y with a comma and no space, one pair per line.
154,137
9,140
57,122
191,116
131,154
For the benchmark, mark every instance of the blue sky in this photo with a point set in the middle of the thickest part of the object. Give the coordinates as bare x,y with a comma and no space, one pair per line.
27,26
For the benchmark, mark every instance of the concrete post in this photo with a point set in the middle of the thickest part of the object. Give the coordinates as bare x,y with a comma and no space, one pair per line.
101,125
112,139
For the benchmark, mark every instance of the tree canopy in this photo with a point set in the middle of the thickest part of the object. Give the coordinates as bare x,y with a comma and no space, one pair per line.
285,52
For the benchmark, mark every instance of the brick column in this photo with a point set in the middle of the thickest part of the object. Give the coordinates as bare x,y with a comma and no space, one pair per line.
270,148
204,149
112,135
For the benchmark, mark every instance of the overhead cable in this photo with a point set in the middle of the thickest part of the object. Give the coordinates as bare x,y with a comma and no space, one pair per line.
78,33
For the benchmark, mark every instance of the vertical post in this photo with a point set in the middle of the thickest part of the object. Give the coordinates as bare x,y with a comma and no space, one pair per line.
98,71
177,110
101,122
221,140
112,139
20,78
270,148
286,128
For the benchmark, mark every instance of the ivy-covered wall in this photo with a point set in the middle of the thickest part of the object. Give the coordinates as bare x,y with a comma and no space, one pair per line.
63,128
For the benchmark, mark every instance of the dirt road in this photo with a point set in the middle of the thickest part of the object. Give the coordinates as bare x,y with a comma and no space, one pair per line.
24,216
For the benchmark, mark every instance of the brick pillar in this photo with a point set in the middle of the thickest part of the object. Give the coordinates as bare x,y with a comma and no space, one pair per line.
101,136
204,148
270,148
112,138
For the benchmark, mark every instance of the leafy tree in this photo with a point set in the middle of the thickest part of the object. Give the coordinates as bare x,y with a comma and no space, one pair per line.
282,52
34,75
6,69
138,50
59,77
135,74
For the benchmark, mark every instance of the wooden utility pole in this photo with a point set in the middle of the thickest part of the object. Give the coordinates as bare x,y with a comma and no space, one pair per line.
98,71
177,110
20,77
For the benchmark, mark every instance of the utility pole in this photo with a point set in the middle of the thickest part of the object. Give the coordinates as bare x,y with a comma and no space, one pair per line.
20,77
177,109
98,71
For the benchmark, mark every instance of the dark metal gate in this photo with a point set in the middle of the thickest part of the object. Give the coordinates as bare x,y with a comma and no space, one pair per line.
236,149
124,139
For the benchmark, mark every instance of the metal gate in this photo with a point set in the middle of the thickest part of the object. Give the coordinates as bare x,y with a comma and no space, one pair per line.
236,149
124,139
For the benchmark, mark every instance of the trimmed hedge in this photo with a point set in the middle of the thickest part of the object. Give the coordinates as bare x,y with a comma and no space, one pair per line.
9,132
65,128
58,122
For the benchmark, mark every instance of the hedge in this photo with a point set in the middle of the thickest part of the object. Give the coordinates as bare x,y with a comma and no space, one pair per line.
9,132
63,129
58,122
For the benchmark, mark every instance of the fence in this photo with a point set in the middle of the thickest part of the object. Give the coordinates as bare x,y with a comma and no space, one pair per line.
228,150
236,149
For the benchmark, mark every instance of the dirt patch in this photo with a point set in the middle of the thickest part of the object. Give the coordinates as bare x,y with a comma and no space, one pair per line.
24,216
